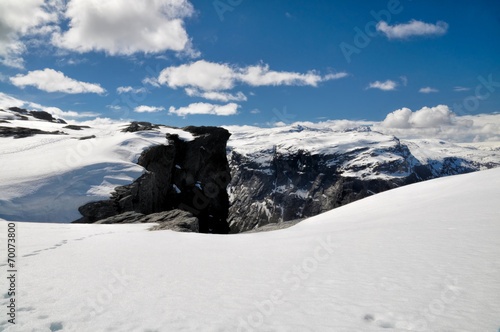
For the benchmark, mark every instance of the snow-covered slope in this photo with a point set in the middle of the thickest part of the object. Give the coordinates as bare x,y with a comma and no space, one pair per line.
45,178
423,257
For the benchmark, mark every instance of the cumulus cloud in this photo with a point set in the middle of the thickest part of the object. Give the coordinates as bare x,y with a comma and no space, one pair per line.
148,109
437,122
386,86
19,18
216,95
428,90
412,28
126,26
7,101
426,117
398,119
210,76
206,108
127,89
51,80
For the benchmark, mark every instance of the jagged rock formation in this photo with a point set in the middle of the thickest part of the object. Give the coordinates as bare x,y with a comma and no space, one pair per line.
139,126
176,220
279,175
186,175
42,115
22,132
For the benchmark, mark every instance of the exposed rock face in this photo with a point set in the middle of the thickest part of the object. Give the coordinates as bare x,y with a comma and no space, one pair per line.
299,185
186,175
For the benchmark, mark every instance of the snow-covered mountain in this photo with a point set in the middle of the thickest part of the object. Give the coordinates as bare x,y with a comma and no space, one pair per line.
423,257
52,171
293,172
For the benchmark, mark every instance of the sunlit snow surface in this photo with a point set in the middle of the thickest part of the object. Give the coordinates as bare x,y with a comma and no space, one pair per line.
423,257
45,178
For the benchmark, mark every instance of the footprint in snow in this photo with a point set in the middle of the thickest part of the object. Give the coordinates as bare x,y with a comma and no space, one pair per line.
56,326
381,323
26,309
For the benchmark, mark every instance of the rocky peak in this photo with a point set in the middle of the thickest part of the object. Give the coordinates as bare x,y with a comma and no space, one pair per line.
186,175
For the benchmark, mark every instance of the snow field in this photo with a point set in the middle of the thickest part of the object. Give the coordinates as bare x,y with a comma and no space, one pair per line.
422,257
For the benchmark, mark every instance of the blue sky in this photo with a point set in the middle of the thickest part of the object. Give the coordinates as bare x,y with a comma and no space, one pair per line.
249,62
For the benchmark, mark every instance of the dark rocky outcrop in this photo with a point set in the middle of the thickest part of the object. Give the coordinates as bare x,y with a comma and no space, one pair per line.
176,220
21,132
186,175
140,126
86,137
41,115
76,127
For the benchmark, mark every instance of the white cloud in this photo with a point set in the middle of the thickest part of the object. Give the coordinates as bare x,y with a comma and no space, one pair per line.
460,88
206,108
7,101
260,75
19,18
114,107
426,117
398,119
439,122
216,95
255,111
428,90
54,81
127,89
335,76
126,26
148,109
412,28
200,74
386,86
210,76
